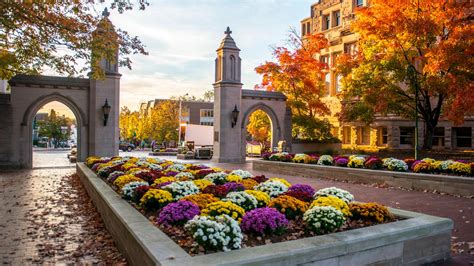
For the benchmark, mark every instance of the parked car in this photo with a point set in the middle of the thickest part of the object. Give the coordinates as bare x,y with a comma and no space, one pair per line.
125,146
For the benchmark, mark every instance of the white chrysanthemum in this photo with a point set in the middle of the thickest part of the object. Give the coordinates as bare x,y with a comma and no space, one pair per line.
242,199
128,189
181,189
273,188
336,192
325,160
323,219
176,167
242,173
216,178
184,175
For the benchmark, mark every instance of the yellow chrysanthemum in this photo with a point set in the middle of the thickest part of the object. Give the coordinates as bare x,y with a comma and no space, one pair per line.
332,202
224,207
284,181
233,178
121,181
262,197
164,179
202,183
201,200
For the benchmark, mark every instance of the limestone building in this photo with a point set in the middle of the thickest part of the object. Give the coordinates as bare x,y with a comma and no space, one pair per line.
333,19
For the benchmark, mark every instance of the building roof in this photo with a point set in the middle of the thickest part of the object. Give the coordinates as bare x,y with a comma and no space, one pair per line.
227,42
53,81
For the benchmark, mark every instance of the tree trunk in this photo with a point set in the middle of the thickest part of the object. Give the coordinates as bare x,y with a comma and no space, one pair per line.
428,136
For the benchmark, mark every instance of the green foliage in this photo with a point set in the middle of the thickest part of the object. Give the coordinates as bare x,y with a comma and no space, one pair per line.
51,127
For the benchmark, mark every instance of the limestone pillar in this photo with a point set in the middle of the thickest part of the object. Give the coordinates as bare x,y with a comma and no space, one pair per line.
3,86
227,98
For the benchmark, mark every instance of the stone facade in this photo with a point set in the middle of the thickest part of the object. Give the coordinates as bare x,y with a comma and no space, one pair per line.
333,19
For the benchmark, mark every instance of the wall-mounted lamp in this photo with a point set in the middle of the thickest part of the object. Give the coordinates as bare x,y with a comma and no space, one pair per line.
235,116
106,110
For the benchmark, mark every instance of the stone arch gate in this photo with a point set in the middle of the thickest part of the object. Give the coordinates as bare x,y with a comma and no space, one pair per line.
229,135
85,98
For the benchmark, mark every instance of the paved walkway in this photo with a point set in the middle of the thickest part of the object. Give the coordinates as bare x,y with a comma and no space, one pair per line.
47,218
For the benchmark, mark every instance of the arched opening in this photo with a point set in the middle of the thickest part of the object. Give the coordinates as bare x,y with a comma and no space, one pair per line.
55,135
258,133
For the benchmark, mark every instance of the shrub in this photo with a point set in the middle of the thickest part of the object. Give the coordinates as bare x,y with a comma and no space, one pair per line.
393,164
324,219
178,213
219,233
233,178
302,158
181,189
373,163
129,189
216,178
139,192
344,195
176,167
264,221
114,175
164,179
356,162
242,199
341,161
332,201
459,168
242,173
202,173
201,200
281,156
301,191
371,211
202,183
184,176
423,167
121,181
291,207
219,191
224,207
272,188
248,183
260,178
302,188
282,180
262,198
155,199
325,160
233,186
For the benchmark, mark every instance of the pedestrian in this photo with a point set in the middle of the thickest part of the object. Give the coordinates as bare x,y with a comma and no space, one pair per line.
153,145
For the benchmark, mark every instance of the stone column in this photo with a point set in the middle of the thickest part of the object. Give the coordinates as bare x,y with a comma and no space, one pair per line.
227,97
3,86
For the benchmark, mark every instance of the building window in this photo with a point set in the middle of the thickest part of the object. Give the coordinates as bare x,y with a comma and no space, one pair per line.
462,137
335,132
359,3
338,83
336,18
346,135
326,22
363,135
308,28
438,137
350,48
382,136
407,135
185,114
324,59
327,82
303,29
334,59
207,117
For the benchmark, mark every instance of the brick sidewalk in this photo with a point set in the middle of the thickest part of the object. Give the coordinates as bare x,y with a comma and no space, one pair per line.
46,217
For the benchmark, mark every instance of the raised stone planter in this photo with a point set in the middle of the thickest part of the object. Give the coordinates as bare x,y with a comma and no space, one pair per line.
416,240
163,153
456,185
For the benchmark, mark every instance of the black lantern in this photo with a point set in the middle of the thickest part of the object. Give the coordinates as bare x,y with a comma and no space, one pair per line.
106,110
235,116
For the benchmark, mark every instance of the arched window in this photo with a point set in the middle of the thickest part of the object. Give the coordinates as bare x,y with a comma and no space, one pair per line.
232,67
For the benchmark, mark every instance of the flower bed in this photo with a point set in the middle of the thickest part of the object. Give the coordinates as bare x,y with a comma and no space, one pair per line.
426,165
206,209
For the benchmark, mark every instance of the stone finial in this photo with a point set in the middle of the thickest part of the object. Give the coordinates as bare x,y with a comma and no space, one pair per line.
105,13
228,31
227,41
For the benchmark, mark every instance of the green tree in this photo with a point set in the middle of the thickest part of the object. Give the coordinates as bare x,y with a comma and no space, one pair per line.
52,127
34,33
164,121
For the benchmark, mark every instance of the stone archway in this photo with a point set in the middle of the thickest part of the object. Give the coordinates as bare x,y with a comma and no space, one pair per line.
229,135
81,120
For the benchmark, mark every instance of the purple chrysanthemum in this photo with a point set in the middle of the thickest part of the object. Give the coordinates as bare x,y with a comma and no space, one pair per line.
233,186
342,161
178,213
264,221
302,188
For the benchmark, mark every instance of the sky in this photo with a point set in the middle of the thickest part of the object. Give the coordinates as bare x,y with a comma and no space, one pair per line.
182,36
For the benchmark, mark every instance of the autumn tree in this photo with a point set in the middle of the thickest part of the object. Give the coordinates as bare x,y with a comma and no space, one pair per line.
35,34
407,46
52,127
259,127
298,73
164,121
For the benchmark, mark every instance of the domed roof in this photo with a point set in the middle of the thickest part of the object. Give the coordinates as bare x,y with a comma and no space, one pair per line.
227,42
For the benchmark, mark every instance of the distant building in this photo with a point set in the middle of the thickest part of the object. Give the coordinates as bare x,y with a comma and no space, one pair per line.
38,117
192,112
333,18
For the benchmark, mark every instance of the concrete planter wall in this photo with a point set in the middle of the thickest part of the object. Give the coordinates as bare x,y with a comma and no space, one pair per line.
456,185
416,240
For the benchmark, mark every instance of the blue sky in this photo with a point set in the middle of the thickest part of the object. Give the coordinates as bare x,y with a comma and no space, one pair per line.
181,37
